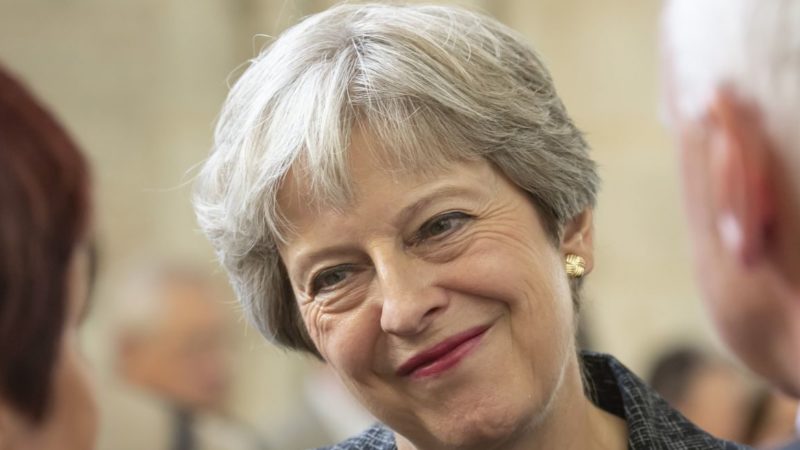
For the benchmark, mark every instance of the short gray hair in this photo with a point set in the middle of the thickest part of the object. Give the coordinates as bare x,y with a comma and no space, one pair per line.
431,84
750,46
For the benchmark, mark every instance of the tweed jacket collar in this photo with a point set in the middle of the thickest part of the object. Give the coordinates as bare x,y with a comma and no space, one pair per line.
652,423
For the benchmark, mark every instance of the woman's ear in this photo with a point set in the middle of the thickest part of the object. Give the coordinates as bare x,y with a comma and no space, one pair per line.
578,238
743,206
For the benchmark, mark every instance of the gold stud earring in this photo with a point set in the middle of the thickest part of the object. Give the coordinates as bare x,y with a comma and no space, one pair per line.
575,265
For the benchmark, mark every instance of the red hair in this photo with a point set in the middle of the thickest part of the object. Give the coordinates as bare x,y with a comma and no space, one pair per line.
44,211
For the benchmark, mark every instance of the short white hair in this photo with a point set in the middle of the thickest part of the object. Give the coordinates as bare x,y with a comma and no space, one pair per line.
749,46
429,84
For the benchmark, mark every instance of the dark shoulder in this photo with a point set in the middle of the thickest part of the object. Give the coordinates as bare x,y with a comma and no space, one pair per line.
652,423
376,437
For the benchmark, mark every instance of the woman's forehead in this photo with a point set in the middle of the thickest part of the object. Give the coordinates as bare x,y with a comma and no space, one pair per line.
335,182
376,186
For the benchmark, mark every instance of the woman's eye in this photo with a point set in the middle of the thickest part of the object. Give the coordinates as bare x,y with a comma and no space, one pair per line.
329,278
441,225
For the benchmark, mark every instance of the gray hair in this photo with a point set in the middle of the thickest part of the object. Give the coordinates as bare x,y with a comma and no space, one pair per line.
750,46
430,84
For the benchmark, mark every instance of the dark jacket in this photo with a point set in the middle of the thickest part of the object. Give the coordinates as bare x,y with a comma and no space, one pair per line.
652,424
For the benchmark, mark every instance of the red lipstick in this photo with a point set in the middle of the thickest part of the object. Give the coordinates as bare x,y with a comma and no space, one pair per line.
443,355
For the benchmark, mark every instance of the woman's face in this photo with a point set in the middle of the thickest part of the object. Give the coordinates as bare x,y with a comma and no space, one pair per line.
438,299
71,421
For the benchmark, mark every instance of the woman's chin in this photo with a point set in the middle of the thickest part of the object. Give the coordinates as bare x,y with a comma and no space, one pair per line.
475,427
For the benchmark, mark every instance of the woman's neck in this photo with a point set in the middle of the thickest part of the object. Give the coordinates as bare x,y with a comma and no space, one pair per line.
574,422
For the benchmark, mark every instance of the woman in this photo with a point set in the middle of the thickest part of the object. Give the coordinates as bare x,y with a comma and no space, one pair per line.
399,191
45,400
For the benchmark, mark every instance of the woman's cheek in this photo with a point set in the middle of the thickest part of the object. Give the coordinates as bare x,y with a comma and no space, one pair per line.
353,340
329,332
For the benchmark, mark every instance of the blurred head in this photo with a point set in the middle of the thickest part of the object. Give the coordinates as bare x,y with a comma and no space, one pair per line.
172,338
732,95
45,400
392,184
709,392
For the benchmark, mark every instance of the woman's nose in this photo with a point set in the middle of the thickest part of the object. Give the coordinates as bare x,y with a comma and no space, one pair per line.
411,299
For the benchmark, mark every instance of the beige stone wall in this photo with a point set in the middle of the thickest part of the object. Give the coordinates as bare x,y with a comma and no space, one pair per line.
139,82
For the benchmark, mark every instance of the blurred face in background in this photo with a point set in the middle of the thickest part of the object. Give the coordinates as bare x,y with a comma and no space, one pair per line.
744,289
183,357
738,177
717,400
71,421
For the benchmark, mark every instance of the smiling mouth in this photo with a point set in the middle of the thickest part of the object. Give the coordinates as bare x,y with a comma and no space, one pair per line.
443,355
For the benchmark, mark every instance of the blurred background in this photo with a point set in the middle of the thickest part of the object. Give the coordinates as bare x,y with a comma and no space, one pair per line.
139,83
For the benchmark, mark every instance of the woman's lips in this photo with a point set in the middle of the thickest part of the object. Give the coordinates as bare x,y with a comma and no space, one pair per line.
443,355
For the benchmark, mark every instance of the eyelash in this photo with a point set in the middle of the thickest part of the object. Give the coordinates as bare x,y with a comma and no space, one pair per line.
316,280
425,231
423,234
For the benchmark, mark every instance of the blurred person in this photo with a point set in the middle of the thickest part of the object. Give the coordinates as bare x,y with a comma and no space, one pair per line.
172,349
772,421
313,422
173,339
732,96
708,391
399,191
46,400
